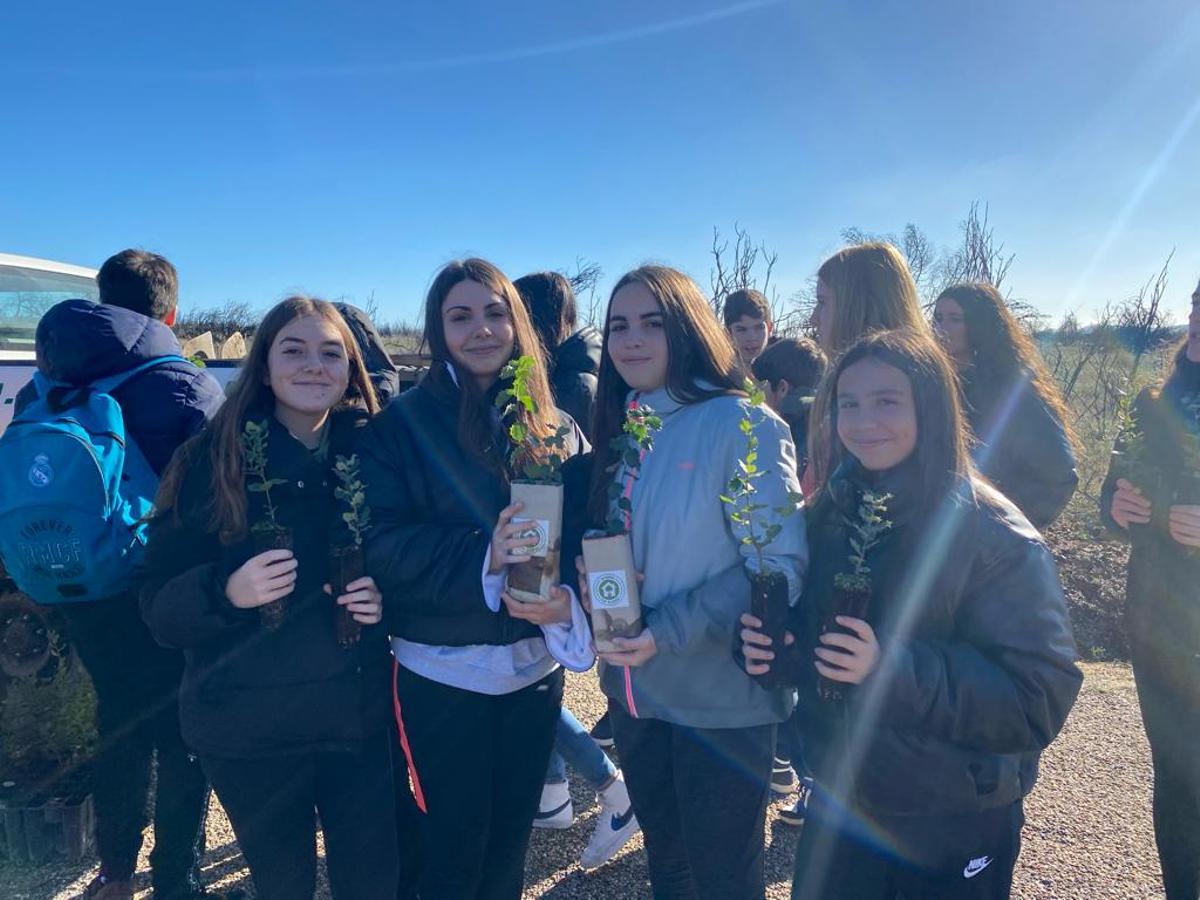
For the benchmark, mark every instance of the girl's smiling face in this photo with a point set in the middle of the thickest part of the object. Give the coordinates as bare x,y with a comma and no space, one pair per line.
876,416
307,367
637,338
479,331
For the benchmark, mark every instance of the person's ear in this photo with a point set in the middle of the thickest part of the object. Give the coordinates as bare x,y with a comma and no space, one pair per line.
169,321
783,389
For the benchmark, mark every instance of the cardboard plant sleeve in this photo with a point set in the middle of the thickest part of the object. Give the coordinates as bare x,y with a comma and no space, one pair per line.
612,585
530,582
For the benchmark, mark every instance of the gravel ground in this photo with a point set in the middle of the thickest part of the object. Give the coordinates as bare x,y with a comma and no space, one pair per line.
1088,835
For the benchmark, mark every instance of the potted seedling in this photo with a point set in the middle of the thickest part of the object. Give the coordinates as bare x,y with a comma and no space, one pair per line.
852,589
265,533
768,587
346,561
1187,486
1131,461
536,464
607,552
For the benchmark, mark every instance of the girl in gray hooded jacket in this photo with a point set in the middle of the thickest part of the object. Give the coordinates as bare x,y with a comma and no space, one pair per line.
695,733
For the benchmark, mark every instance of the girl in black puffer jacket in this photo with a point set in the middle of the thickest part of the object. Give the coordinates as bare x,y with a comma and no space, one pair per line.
286,721
925,713
1152,497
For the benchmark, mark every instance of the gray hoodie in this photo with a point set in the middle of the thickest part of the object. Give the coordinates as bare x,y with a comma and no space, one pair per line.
695,565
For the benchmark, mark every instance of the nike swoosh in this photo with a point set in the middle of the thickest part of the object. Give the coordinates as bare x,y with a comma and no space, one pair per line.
552,813
972,870
619,822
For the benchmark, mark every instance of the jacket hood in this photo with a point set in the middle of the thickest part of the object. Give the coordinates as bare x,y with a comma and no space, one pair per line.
380,368
79,341
579,353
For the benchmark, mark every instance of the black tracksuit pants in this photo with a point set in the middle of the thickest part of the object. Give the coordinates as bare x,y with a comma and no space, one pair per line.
700,795
477,764
1173,728
137,718
846,854
273,804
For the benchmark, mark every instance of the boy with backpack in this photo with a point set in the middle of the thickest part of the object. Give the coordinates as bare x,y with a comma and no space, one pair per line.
79,466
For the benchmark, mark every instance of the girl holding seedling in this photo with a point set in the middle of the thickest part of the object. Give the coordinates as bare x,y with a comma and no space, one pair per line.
478,681
1023,444
287,722
695,734
1152,496
925,712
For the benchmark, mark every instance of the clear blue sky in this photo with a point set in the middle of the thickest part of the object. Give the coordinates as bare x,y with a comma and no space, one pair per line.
345,148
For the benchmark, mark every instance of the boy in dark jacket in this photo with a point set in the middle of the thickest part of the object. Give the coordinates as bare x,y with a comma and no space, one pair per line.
136,681
791,369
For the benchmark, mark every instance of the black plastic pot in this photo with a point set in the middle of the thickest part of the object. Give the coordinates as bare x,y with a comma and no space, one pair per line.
769,604
346,566
273,614
854,603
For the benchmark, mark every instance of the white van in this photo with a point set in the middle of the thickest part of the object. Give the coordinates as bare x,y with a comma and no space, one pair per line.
29,287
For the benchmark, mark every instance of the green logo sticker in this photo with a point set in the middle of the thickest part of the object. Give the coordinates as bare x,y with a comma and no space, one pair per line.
608,589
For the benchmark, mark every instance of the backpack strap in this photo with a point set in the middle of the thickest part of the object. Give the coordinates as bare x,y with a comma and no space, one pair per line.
112,382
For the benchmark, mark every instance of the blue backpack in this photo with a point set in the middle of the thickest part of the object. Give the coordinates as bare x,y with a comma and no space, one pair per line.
74,491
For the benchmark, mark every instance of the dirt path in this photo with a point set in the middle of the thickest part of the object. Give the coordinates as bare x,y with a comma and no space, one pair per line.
1088,833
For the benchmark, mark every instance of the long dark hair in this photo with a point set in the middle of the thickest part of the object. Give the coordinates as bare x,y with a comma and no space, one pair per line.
551,303
1003,353
251,390
698,350
1184,377
941,457
476,430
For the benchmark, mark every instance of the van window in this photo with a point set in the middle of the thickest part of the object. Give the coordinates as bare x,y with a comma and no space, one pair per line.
26,294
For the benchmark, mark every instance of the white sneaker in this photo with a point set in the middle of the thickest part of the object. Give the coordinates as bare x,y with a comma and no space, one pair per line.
615,825
555,810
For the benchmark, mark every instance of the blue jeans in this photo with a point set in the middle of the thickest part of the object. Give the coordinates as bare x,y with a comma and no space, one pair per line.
573,744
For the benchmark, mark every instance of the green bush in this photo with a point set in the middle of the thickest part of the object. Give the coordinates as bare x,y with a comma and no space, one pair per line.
47,727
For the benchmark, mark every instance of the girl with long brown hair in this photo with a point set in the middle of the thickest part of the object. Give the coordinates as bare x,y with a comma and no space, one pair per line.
1023,441
478,678
860,289
924,712
287,722
695,734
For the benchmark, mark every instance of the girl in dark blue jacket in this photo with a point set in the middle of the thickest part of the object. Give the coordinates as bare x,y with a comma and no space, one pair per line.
925,711
288,722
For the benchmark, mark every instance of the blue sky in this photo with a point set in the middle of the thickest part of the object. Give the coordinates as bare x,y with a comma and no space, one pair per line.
350,148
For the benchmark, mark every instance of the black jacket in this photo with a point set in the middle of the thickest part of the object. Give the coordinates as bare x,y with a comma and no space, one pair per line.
79,341
795,411
1022,447
574,365
977,671
246,691
1162,588
433,508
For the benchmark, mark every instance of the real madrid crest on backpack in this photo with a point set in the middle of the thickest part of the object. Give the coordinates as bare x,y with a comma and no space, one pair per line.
74,489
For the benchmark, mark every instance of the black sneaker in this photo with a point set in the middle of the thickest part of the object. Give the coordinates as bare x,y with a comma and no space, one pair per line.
602,732
795,815
783,779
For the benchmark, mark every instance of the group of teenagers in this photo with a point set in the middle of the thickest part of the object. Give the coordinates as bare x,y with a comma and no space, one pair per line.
929,455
